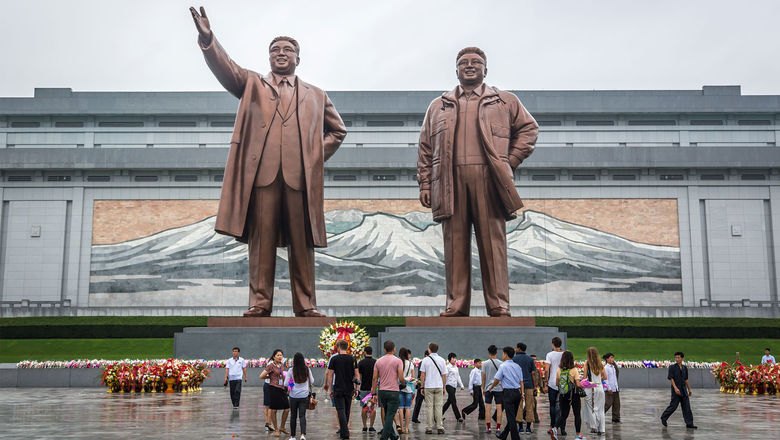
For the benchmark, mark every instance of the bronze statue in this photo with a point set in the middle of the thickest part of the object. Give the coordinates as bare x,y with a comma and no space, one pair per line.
471,141
272,193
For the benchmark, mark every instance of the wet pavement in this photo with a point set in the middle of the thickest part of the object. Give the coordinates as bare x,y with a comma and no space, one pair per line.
94,414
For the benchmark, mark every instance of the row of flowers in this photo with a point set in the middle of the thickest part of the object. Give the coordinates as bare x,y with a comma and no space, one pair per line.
748,379
312,362
152,376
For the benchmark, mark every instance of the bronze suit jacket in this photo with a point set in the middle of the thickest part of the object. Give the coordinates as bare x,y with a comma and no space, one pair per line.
508,133
320,126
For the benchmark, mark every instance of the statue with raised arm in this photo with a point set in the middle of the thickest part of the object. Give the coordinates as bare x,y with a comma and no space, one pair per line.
472,140
272,192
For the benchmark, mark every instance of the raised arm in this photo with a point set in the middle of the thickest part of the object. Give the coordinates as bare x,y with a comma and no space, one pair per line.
232,76
524,132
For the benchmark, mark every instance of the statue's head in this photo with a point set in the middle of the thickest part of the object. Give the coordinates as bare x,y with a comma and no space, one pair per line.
471,66
284,55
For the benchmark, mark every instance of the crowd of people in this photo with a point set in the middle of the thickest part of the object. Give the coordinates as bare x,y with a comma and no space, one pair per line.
502,389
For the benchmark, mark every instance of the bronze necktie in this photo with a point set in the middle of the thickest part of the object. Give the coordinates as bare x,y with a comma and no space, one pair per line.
286,91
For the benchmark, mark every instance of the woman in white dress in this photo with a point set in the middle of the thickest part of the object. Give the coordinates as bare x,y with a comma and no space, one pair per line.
593,410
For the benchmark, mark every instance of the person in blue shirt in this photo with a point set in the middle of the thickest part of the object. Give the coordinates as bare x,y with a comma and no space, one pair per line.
510,375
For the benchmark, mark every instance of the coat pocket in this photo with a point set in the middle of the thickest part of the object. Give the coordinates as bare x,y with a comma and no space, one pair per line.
500,140
435,195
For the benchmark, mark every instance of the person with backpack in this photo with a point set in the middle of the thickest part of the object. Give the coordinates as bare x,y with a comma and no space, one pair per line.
567,378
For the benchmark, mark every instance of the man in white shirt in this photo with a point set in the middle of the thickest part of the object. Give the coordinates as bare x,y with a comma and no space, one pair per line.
451,387
767,358
433,375
612,398
551,363
235,370
475,388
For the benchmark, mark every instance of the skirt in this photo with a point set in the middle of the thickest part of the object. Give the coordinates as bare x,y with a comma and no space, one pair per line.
277,398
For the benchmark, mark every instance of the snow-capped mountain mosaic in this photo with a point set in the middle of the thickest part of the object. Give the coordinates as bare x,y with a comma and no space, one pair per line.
386,255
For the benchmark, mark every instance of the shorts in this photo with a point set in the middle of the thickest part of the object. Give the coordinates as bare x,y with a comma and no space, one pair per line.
266,397
406,400
497,395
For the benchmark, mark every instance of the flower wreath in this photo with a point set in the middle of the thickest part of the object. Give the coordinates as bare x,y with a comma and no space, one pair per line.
356,337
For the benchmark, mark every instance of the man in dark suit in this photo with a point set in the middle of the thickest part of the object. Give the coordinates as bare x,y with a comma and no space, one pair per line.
272,192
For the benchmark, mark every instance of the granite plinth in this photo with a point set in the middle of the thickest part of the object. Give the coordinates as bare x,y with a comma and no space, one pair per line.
258,337
254,342
471,321
470,342
270,321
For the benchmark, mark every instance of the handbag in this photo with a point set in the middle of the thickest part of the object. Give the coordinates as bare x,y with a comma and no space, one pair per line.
312,402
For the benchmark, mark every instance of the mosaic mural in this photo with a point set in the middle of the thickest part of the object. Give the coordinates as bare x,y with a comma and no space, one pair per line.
560,252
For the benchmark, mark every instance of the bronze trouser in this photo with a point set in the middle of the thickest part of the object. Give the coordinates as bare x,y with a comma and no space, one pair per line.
276,209
477,204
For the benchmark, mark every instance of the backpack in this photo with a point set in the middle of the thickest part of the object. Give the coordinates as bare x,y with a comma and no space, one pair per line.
564,382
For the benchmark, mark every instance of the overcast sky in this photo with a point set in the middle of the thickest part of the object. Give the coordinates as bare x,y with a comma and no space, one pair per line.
150,45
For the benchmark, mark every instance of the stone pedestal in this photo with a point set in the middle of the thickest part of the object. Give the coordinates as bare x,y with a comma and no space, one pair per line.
471,342
469,337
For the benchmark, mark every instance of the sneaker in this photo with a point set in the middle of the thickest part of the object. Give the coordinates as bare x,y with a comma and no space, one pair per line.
303,437
579,437
553,433
429,431
562,431
293,438
528,430
440,431
371,429
691,426
487,431
663,422
365,429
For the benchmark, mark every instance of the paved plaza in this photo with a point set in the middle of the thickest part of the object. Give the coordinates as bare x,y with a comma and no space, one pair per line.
94,414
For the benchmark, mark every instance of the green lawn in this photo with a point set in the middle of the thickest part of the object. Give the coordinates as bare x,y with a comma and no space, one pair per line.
701,350
15,350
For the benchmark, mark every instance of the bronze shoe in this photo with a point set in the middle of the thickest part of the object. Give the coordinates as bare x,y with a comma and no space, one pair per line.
499,313
257,312
311,313
451,314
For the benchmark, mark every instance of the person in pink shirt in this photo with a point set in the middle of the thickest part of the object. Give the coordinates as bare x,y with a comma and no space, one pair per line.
388,376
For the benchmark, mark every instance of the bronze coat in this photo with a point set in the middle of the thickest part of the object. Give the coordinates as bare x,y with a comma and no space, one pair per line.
508,134
320,126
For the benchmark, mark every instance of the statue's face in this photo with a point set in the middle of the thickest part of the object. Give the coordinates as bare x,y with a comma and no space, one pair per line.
471,69
283,58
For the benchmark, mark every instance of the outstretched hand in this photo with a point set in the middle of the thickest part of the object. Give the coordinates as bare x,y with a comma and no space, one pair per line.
202,24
